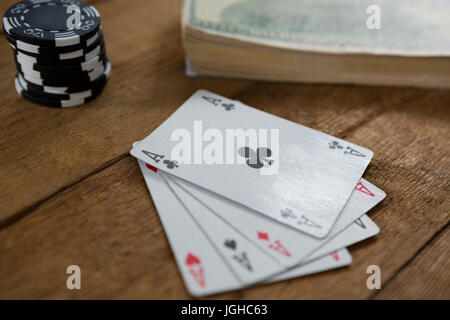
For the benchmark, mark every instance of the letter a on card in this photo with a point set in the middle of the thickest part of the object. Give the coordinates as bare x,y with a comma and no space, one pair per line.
363,189
195,269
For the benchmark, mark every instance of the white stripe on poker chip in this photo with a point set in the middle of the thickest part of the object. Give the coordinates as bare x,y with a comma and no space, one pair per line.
72,96
89,65
63,90
74,101
36,77
108,70
32,79
56,90
92,39
94,53
91,72
64,42
66,56
71,55
6,25
96,73
31,72
79,53
22,60
48,89
80,95
85,66
25,57
23,83
91,12
19,88
27,47
93,75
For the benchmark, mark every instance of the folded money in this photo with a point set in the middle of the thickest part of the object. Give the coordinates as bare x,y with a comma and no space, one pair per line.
402,42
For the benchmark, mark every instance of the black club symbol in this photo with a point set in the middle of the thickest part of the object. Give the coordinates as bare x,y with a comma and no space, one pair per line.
335,145
228,106
256,159
170,164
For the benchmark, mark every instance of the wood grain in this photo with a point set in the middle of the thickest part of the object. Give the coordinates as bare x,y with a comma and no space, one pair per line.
70,194
427,276
108,226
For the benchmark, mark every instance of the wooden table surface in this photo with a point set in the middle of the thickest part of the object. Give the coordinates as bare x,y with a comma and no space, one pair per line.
71,194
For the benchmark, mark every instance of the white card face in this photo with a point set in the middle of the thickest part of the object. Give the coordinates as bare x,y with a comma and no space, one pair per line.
289,246
293,174
247,261
337,259
332,253
202,268
361,229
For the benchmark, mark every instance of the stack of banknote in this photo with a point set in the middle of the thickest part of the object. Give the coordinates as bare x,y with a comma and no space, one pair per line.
382,42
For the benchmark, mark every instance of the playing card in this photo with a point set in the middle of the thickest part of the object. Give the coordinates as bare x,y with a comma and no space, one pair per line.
334,260
261,161
247,261
361,229
285,244
327,256
202,268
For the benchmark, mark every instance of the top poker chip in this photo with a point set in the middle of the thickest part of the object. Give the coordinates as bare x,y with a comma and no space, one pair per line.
51,23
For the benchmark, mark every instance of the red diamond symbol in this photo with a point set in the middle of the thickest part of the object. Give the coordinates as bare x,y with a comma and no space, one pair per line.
263,235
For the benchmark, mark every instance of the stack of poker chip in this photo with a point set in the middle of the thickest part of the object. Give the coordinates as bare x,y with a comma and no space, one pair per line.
59,51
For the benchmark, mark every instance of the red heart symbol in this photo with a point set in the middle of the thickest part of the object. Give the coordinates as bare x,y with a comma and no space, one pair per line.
191,259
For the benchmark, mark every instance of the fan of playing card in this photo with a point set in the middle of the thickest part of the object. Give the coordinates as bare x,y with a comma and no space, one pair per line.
246,197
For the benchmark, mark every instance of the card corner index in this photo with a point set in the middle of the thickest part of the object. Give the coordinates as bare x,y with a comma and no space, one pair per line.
202,92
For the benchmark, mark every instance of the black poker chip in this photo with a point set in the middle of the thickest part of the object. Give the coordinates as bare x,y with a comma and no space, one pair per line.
94,91
69,86
73,81
36,50
64,59
61,62
68,89
61,97
48,23
52,103
77,67
60,75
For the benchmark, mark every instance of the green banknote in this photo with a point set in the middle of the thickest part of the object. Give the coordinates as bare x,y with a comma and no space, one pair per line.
406,27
